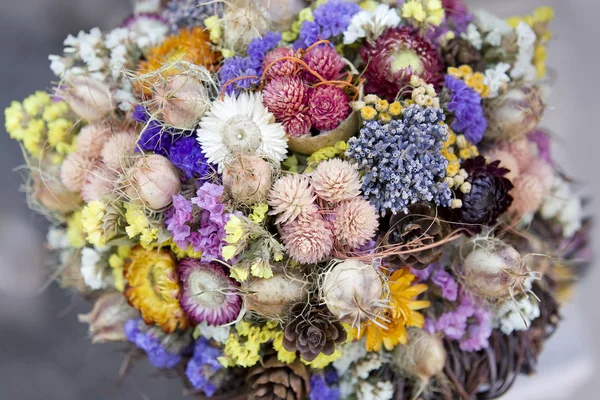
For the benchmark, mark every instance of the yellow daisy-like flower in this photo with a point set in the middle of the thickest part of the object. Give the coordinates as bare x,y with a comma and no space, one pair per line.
390,328
153,288
395,109
368,113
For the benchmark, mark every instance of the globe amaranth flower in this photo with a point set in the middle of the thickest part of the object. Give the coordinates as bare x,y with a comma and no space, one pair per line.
488,198
153,341
251,65
186,154
397,55
465,105
291,197
336,180
308,239
325,61
203,366
207,293
241,125
355,223
402,160
330,19
286,96
328,106
279,68
201,227
153,288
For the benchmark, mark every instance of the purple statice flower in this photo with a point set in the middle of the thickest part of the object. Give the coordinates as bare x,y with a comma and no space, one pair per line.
542,141
453,324
465,105
402,160
479,331
203,366
190,13
158,356
199,222
422,274
251,65
154,137
186,154
446,283
330,19
320,389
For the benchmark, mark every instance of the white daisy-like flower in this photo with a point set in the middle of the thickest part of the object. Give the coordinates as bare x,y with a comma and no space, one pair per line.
473,36
496,78
93,272
371,25
524,67
495,27
241,125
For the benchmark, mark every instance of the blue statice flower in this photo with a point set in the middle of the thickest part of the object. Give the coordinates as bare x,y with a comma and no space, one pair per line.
190,13
155,136
203,366
324,386
186,154
158,355
402,160
251,65
330,19
465,105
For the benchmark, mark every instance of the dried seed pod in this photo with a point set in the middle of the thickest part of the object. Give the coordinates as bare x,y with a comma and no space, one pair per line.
154,181
89,98
247,179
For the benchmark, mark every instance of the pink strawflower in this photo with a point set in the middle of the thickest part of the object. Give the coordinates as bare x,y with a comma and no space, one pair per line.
355,222
282,67
285,96
327,107
291,196
336,180
207,293
308,239
297,125
324,60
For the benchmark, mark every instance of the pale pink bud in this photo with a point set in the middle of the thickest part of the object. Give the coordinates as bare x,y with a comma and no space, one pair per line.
48,189
154,182
89,98
182,101
424,357
514,114
107,318
247,179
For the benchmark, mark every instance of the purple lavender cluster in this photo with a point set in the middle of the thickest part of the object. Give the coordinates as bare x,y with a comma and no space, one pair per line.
251,65
158,356
402,160
201,227
330,19
203,366
184,151
190,13
465,105
470,322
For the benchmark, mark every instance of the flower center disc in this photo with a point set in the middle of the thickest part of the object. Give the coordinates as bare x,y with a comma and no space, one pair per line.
241,135
207,290
404,59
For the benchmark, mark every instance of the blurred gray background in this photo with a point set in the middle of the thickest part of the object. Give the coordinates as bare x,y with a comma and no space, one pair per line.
45,352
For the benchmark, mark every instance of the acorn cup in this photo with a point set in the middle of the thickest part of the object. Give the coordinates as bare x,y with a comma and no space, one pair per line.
309,144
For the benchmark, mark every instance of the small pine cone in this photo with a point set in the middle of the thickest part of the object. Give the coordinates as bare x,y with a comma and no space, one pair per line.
274,380
312,330
420,227
460,51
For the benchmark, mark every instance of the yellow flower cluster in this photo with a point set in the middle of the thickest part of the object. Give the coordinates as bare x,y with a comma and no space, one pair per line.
373,108
75,232
423,12
304,15
474,80
538,21
117,262
138,224
326,153
41,124
92,217
458,148
424,93
242,348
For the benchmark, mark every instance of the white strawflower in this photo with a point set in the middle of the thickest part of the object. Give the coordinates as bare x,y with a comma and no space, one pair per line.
523,67
241,125
494,27
371,25
496,78
93,272
473,36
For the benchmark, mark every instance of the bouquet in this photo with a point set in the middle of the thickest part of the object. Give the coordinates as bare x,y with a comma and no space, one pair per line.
286,200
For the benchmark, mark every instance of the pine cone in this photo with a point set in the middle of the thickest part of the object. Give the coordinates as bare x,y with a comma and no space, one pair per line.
420,227
312,331
274,380
460,51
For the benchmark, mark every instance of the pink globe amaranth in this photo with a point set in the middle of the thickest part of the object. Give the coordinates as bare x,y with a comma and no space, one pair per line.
328,106
297,125
281,68
208,294
285,96
397,55
325,61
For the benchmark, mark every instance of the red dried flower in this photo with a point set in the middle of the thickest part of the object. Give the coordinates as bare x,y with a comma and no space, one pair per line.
281,68
327,107
325,61
285,96
394,57
297,124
